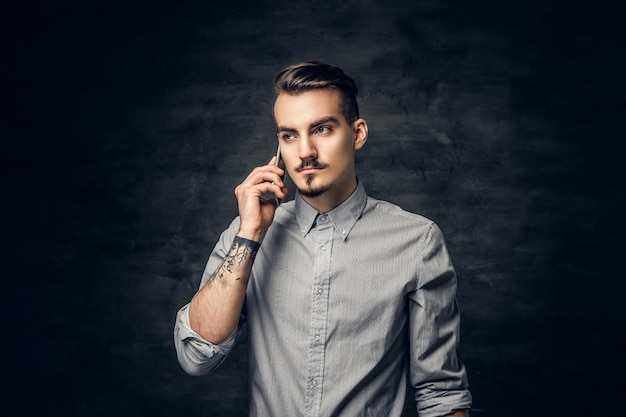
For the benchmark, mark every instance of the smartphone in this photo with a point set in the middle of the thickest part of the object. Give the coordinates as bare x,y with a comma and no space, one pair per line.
276,163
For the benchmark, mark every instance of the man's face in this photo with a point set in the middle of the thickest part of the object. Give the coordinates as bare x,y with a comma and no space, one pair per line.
318,145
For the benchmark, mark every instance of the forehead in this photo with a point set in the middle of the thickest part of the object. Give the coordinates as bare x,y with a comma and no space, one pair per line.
302,109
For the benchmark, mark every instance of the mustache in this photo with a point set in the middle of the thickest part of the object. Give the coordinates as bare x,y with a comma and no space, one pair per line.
310,163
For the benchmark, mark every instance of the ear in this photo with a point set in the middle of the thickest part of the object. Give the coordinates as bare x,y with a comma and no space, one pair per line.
360,133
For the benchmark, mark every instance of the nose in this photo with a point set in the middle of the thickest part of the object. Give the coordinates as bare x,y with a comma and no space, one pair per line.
307,148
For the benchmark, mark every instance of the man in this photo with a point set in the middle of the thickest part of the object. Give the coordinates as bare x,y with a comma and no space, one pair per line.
343,295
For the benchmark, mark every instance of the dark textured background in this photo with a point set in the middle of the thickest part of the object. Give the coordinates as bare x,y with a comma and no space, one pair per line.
131,124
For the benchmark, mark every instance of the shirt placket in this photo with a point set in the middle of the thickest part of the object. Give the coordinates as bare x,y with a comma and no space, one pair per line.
319,314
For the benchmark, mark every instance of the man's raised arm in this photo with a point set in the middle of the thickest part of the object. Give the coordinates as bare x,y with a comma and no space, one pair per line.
215,309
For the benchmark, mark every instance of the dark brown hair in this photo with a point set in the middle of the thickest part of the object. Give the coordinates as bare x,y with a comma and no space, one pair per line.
306,76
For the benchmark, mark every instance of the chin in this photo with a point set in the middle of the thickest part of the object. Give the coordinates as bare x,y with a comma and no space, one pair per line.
310,189
313,192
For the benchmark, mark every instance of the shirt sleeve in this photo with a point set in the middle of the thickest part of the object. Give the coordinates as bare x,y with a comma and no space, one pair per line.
196,355
439,378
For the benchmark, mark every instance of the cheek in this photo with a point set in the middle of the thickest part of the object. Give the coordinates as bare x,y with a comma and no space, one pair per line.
289,163
343,150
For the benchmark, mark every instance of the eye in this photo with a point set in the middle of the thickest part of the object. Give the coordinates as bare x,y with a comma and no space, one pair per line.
287,137
322,130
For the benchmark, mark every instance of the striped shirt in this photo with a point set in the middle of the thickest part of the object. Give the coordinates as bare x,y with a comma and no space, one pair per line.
340,308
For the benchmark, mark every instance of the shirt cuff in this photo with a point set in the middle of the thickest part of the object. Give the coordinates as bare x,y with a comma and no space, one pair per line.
186,332
196,355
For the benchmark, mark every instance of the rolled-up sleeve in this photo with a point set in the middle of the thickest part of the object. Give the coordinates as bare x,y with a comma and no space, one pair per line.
196,355
439,378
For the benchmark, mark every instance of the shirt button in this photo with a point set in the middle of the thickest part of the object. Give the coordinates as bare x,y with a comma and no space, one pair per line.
317,337
323,247
320,291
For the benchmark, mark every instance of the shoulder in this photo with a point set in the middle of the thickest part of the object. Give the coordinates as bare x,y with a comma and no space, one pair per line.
284,218
388,221
285,212
392,212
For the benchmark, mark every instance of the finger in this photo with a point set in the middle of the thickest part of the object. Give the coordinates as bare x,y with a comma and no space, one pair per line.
267,168
260,176
261,188
282,194
275,197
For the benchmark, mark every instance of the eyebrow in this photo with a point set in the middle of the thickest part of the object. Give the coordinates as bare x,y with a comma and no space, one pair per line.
323,120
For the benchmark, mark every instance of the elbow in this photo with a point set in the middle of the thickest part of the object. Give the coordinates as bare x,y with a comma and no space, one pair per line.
195,355
196,358
195,364
187,363
192,370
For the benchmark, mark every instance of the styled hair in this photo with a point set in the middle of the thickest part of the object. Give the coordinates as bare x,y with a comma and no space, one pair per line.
305,76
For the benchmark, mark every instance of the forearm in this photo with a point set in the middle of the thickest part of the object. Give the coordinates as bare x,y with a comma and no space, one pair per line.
215,310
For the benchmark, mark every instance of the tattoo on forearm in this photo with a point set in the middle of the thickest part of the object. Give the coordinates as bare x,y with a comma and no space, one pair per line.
241,251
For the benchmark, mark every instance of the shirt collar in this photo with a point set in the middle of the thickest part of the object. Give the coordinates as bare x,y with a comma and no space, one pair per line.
343,217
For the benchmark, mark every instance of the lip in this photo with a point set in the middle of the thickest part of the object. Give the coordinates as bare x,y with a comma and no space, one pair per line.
309,170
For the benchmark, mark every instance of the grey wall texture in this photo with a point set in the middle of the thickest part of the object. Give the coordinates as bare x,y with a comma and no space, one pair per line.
133,122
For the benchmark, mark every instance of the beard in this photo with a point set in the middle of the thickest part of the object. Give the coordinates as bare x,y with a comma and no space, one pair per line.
312,192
